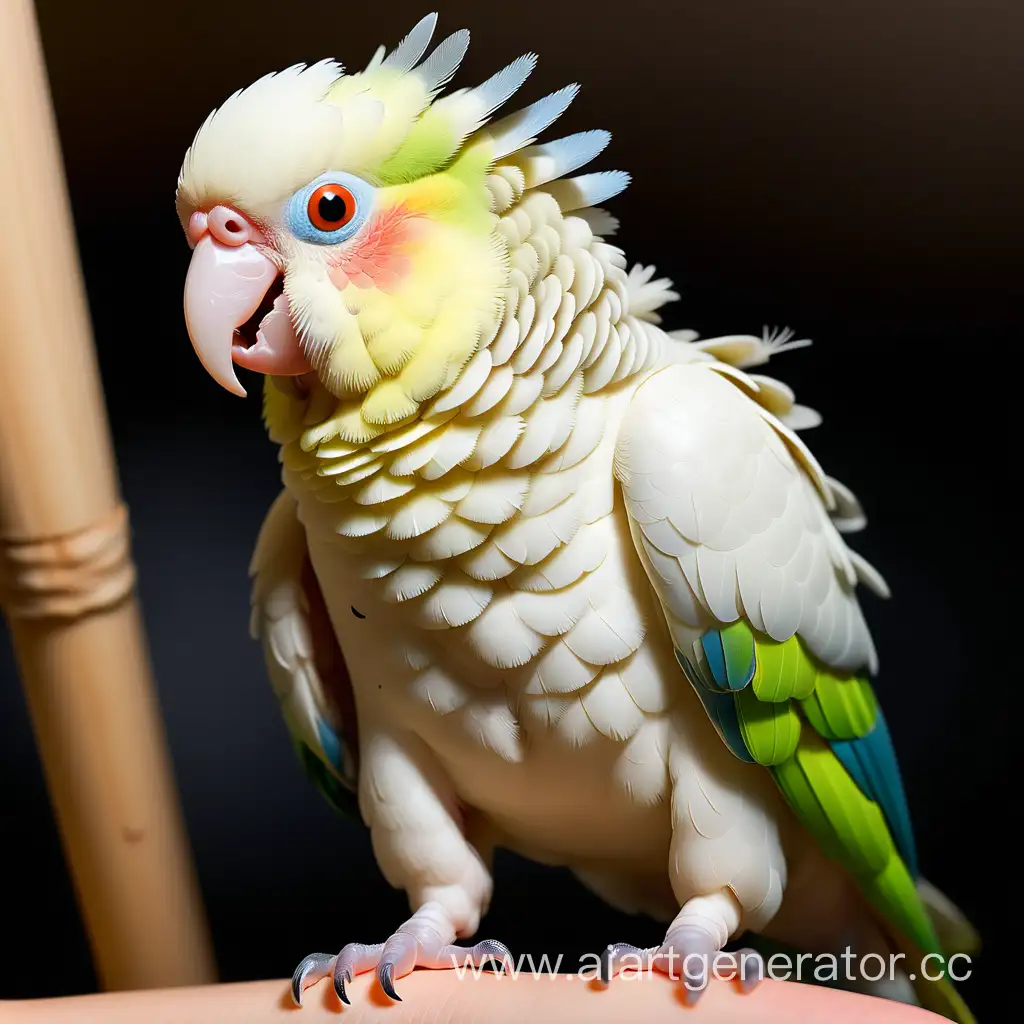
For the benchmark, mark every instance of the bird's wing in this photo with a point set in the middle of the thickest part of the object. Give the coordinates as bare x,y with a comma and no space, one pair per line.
730,515
303,659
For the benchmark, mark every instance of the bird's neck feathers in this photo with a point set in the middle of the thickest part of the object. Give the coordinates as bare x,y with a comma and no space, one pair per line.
564,330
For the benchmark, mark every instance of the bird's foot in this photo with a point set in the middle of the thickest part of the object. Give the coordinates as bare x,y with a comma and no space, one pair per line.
692,952
423,941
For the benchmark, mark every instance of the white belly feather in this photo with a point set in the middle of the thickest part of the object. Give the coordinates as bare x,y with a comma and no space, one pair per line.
504,616
548,689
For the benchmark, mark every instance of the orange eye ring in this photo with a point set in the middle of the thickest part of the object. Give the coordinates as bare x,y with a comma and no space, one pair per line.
331,207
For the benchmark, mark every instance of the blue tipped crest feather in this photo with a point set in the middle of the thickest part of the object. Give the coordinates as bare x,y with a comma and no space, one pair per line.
437,70
501,87
600,186
571,152
405,55
520,129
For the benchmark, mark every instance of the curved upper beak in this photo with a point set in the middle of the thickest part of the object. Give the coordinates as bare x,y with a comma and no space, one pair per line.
226,283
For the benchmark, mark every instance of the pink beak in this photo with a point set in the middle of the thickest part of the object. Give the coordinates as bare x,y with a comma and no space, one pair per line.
227,280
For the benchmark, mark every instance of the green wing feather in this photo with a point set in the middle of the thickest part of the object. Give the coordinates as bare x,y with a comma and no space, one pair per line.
822,736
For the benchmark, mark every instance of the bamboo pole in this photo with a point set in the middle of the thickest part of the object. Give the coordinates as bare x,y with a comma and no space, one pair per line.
441,997
66,576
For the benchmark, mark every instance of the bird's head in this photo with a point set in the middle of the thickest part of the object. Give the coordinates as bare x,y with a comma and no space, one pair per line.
342,225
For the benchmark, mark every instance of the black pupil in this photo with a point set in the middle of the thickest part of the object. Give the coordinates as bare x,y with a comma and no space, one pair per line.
332,208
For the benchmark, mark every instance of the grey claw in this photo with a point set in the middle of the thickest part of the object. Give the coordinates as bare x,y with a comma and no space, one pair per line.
611,953
342,979
749,980
316,963
385,973
695,982
498,953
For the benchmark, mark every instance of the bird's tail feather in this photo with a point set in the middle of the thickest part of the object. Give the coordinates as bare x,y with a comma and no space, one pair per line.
956,934
906,918
942,998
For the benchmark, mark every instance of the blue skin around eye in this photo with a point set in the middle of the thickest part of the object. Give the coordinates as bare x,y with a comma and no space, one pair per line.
297,218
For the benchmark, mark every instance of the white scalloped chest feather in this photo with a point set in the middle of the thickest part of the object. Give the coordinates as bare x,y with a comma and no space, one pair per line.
493,611
510,626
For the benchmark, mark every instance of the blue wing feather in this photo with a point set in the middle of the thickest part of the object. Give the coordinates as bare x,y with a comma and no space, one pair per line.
871,761
721,709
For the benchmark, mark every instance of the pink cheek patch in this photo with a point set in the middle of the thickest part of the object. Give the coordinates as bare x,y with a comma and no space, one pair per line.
377,259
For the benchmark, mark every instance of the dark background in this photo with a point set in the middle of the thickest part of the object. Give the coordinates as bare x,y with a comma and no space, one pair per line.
852,169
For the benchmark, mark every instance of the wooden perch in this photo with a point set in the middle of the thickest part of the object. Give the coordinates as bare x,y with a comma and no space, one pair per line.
66,575
441,997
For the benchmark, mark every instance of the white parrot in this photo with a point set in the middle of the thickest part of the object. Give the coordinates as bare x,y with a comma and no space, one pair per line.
543,576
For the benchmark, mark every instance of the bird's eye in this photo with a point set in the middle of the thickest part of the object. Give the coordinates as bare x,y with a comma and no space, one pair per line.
330,209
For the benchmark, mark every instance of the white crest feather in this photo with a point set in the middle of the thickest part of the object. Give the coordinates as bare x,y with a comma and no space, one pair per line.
600,221
500,87
261,136
648,294
437,70
784,340
377,59
405,55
